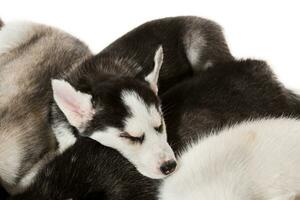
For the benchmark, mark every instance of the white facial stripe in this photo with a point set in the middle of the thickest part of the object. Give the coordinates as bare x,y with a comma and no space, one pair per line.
108,137
149,155
155,116
143,116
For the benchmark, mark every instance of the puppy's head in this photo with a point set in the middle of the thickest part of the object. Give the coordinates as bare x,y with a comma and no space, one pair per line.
122,113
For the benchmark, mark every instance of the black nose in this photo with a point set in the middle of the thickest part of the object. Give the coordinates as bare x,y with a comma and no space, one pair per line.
168,167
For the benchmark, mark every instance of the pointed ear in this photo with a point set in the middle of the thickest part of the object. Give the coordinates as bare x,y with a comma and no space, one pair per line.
152,78
76,106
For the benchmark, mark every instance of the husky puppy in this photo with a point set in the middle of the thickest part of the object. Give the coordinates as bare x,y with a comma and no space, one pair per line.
253,160
30,54
225,94
111,97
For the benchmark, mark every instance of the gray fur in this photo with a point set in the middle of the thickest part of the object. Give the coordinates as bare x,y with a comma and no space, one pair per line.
180,38
50,53
204,40
26,139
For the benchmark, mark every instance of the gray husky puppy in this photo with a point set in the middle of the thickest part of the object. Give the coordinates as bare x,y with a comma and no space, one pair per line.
30,54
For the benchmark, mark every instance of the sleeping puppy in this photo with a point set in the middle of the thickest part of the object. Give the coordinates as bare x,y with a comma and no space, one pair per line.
225,94
30,54
111,97
253,160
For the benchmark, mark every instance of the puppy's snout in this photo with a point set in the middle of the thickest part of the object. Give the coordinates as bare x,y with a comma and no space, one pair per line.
168,167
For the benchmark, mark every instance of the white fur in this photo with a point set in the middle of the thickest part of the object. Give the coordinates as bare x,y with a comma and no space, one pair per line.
254,160
148,156
14,34
30,176
64,136
194,44
152,78
143,115
76,106
296,91
11,158
26,181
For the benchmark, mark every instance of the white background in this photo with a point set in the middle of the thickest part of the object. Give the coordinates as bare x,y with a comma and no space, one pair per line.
268,30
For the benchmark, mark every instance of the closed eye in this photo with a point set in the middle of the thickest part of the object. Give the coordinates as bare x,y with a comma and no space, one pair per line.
131,138
159,128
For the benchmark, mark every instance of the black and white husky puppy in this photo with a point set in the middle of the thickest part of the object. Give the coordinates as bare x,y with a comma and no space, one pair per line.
110,97
225,94
113,97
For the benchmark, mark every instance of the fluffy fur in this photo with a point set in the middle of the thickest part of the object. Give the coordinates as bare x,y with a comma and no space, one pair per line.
124,65
132,64
226,94
190,45
102,108
30,54
253,160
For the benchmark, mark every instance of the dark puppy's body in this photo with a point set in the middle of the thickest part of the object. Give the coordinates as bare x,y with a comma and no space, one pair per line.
70,176
190,44
3,193
226,93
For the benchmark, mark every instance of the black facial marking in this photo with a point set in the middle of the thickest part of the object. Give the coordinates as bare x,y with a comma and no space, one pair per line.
159,128
110,108
132,138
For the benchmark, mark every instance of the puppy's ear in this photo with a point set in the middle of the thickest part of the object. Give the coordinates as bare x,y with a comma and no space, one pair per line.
76,106
152,77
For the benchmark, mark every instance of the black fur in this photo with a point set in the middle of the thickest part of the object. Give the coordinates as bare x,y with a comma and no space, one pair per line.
106,91
1,23
125,63
3,193
224,94
138,46
24,118
81,184
228,92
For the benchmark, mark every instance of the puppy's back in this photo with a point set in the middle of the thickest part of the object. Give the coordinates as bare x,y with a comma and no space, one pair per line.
191,44
30,54
253,160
